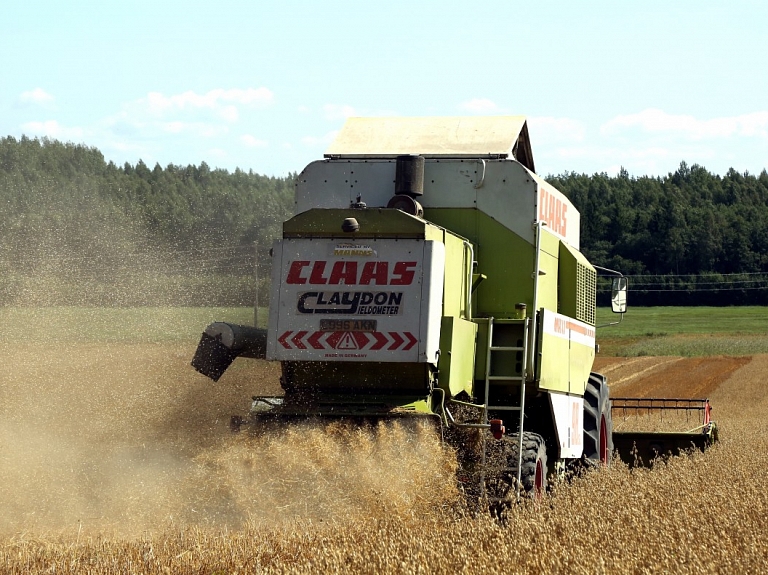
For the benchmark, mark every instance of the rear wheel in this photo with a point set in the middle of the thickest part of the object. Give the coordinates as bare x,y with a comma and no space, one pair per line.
501,476
598,425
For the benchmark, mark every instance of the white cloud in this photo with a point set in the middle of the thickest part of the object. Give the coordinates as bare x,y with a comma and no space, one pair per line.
339,112
547,130
205,130
200,115
36,96
215,100
479,106
217,153
124,146
250,96
52,129
655,121
324,140
604,154
253,142
197,129
182,127
229,114
755,124
641,158
174,127
650,142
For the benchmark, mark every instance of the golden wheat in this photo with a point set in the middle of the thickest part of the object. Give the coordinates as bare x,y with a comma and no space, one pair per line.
113,459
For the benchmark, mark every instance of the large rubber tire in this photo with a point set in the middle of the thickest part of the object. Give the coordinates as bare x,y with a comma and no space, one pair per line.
598,425
501,474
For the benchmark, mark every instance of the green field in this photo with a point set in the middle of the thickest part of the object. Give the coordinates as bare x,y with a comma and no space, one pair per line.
686,331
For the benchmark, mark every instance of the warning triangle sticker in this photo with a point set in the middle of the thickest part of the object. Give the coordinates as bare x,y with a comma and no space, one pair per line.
347,341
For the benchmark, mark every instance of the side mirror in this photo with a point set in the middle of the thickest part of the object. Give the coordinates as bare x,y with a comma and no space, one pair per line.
619,295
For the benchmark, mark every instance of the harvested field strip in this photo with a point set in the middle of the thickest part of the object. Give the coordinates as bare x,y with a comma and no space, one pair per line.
667,376
638,372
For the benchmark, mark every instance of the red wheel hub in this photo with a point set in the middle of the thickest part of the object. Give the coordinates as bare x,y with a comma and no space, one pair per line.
538,482
603,441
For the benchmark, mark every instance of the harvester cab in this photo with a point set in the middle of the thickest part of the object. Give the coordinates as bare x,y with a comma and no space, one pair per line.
429,272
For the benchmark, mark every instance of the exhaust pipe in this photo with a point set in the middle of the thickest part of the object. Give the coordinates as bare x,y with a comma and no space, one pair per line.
222,342
409,185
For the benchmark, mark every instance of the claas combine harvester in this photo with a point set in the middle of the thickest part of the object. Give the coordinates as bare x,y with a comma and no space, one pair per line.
429,272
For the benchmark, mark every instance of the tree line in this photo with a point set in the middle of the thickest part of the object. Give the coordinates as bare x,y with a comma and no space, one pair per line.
688,238
77,229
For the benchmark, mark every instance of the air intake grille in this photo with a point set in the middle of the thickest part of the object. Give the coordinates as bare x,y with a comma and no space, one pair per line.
586,288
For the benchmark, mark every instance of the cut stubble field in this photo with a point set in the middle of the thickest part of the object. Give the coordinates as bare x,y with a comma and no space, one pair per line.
116,457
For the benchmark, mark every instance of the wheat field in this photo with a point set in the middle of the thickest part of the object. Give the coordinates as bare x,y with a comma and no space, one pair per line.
116,458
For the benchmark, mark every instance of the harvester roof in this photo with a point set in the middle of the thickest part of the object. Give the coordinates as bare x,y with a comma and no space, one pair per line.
473,137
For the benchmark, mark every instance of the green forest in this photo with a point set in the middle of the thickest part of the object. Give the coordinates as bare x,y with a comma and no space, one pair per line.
76,229
688,238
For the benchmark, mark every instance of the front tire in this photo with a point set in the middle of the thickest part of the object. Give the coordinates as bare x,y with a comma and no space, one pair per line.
598,425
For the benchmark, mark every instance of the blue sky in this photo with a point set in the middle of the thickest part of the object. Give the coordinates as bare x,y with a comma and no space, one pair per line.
264,86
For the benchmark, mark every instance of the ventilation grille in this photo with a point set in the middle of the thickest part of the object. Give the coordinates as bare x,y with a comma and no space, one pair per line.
586,289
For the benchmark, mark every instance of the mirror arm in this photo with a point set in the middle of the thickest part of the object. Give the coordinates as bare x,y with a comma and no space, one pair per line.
608,271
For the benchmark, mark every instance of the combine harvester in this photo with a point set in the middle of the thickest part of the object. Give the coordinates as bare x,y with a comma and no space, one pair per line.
429,272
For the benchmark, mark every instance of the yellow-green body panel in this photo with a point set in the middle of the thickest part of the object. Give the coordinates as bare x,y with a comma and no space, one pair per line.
554,367
548,271
564,365
581,359
457,355
458,268
501,255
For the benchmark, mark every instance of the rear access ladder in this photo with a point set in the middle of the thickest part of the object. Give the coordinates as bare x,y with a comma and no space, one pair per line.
502,370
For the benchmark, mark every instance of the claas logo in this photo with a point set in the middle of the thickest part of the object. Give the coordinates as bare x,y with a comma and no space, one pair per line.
554,212
350,273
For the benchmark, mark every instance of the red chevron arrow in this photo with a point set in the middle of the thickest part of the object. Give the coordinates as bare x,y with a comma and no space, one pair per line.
333,340
314,340
381,340
397,340
296,339
282,339
412,341
361,338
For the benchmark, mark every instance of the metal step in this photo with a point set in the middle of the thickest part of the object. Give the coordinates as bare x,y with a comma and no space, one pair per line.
505,378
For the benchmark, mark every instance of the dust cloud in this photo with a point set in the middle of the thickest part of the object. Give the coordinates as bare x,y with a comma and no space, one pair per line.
126,438
106,428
